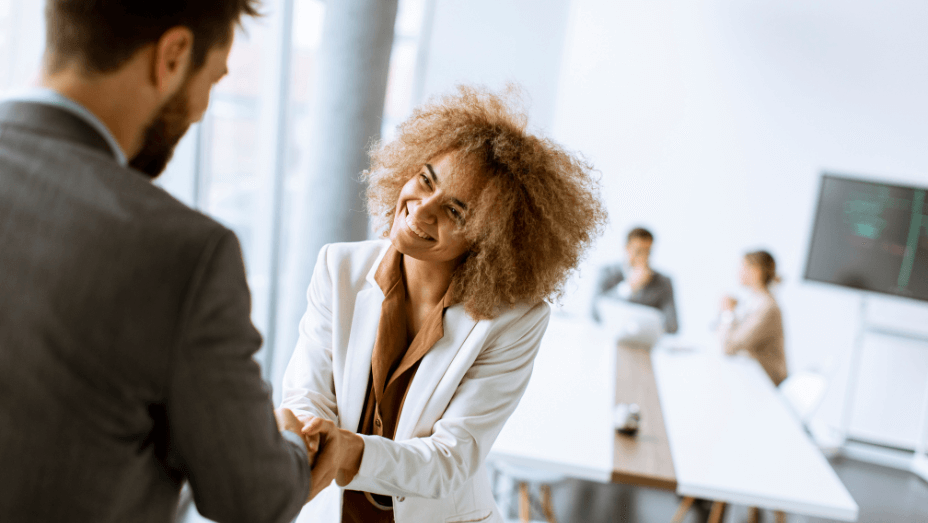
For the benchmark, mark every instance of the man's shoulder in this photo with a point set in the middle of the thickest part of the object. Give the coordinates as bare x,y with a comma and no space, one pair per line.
662,279
111,202
611,270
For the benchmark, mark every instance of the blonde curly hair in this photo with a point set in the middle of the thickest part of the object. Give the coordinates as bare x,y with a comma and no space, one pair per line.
538,210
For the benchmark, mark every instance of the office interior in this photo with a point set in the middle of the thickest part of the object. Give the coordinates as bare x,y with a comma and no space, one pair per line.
709,122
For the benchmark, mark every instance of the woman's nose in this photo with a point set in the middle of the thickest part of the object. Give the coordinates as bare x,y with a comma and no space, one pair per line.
427,209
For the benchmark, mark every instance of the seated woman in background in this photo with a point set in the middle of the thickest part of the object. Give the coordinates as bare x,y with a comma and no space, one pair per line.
758,329
415,349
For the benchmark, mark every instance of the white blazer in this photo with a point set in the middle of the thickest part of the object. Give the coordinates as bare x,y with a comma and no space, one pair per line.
465,389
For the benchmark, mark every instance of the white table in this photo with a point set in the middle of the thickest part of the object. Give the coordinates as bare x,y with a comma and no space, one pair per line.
734,440
564,421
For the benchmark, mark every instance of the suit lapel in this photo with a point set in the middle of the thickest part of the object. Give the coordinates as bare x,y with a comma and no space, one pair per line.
432,368
364,323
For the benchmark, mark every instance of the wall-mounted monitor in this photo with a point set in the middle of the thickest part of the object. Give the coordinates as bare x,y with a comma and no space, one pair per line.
871,236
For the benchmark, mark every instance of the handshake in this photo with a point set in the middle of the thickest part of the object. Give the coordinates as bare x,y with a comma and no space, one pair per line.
333,453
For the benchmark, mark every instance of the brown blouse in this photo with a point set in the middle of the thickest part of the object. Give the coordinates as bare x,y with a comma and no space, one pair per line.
393,364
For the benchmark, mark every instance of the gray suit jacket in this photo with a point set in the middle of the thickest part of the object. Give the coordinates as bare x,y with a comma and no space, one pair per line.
125,345
658,293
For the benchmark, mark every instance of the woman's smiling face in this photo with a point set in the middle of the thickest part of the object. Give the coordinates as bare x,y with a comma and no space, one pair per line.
431,212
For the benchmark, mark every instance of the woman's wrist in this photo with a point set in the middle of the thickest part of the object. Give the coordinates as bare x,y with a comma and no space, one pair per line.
351,459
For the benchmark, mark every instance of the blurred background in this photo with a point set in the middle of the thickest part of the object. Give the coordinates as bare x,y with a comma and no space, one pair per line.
709,122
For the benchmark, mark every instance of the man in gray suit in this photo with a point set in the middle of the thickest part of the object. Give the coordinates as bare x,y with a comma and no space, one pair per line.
125,336
635,281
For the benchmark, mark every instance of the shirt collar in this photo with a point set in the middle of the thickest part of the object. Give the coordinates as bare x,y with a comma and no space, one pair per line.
42,95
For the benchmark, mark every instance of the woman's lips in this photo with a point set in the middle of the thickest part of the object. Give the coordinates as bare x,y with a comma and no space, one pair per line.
417,231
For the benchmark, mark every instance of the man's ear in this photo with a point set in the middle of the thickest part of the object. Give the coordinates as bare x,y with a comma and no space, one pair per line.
173,56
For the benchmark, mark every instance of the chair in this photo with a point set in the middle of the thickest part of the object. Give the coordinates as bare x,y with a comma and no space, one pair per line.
804,391
509,476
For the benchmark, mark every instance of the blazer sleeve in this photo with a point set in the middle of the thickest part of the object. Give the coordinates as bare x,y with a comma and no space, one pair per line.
435,466
309,383
219,411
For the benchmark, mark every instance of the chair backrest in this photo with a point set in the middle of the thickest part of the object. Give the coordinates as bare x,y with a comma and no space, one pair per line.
804,392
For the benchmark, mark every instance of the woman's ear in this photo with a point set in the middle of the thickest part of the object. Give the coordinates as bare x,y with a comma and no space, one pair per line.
172,58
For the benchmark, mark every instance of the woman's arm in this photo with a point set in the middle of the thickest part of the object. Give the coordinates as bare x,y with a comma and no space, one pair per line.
308,384
434,466
747,333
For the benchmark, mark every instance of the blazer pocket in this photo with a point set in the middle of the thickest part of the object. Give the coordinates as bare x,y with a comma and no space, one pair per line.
477,515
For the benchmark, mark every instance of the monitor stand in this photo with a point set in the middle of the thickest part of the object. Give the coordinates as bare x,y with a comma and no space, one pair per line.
839,440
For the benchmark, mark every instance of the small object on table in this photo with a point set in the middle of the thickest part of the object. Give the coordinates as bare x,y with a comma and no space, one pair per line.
627,418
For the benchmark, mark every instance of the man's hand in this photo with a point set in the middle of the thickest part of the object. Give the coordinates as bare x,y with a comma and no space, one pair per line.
340,458
286,420
640,276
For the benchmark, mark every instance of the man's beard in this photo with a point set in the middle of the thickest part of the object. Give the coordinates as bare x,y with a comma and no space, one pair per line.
163,134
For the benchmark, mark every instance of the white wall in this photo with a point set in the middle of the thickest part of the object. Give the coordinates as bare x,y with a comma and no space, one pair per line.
711,122
491,43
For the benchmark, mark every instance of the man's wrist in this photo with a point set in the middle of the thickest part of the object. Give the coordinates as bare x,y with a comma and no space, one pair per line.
293,437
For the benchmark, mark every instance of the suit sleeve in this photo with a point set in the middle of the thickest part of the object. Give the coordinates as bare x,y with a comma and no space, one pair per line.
609,277
309,383
435,466
220,415
669,308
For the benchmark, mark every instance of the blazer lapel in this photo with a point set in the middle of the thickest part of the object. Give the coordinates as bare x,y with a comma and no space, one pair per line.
433,366
361,339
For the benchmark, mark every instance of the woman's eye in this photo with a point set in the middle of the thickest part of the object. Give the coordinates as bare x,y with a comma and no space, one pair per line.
425,180
456,214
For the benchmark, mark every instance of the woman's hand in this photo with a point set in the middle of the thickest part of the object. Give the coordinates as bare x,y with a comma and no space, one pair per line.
729,303
339,457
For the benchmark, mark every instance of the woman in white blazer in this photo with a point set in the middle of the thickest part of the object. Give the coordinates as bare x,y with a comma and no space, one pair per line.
415,349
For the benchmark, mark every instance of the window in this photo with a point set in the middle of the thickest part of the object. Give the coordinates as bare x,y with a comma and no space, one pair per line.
239,164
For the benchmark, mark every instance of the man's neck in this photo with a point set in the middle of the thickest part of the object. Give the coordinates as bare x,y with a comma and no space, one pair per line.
111,100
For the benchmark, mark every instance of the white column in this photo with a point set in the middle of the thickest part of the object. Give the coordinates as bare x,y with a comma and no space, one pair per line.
350,86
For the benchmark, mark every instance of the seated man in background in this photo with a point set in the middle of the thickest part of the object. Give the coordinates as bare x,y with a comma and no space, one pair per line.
635,281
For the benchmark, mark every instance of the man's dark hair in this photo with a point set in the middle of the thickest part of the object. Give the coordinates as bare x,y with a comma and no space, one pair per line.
102,35
640,233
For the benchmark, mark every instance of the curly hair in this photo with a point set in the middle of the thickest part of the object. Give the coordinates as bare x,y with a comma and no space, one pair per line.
538,209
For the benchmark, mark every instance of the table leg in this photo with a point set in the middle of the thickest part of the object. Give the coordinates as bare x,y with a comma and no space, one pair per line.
525,507
685,505
780,516
717,512
753,515
546,504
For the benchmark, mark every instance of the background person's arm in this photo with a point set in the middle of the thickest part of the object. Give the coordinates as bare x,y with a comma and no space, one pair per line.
219,411
609,277
669,308
746,334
